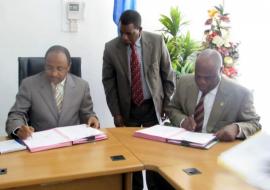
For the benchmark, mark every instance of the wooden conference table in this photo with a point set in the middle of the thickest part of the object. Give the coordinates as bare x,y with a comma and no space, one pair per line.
169,160
89,166
85,166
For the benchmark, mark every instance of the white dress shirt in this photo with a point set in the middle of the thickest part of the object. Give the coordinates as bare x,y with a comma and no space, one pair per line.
208,105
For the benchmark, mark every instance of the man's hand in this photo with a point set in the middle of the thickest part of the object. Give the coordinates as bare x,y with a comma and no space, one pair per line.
118,121
228,133
189,123
93,122
24,132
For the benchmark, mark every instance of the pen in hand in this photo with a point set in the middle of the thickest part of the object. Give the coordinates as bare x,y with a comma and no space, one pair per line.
189,123
25,130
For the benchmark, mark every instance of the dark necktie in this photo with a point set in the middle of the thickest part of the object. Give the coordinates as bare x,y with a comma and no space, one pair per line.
199,114
136,82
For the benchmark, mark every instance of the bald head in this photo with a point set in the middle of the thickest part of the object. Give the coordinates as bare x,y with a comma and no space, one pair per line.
210,58
208,70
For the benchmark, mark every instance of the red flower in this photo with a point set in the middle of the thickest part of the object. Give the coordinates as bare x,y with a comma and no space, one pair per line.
230,71
211,36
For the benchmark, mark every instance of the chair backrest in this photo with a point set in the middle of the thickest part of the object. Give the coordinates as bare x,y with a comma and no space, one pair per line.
32,65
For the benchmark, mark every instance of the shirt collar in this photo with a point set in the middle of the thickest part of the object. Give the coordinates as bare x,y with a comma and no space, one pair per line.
138,42
213,92
62,83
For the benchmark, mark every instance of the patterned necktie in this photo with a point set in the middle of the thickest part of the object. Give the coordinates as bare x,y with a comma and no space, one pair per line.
199,114
136,84
59,96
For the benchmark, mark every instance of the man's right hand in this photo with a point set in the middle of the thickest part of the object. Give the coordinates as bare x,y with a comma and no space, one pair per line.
189,123
118,121
24,131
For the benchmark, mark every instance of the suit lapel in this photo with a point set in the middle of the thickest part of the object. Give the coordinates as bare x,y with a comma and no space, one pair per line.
121,53
192,95
218,106
146,54
69,94
47,95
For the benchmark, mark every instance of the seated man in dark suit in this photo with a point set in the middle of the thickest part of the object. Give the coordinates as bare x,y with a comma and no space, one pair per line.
53,98
210,102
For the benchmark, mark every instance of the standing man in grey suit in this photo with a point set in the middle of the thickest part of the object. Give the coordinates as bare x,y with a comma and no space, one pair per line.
227,108
37,95
137,76
156,74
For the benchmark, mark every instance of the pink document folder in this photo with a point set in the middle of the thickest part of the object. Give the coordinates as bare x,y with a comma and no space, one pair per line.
63,136
176,135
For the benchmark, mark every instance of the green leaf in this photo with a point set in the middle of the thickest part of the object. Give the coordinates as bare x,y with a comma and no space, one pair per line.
180,45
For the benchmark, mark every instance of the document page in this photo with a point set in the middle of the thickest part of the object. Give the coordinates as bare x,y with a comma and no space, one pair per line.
77,132
160,131
44,139
10,146
199,138
251,160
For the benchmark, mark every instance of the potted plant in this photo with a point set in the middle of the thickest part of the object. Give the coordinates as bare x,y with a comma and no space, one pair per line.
182,48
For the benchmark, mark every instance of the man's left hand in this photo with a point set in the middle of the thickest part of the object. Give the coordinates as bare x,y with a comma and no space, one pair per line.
228,133
93,122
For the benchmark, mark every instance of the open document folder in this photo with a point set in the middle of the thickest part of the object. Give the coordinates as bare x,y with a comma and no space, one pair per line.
177,135
251,160
63,136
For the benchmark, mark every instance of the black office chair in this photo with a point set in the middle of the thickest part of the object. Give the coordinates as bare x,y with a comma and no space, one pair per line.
32,65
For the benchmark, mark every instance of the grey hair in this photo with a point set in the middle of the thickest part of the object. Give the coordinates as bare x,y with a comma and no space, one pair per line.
213,55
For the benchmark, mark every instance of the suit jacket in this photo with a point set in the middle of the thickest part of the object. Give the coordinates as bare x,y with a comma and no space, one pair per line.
233,104
158,73
36,96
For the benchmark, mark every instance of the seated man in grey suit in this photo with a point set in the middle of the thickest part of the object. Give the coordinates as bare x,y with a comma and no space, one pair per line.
210,102
53,98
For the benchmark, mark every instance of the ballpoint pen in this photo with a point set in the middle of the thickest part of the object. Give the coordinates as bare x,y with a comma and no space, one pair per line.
25,121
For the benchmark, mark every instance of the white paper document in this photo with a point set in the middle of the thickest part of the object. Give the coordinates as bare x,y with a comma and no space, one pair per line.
44,139
177,135
251,160
10,146
77,132
160,131
200,138
63,136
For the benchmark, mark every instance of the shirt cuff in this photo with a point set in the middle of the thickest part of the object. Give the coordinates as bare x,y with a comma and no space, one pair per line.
14,132
240,134
180,125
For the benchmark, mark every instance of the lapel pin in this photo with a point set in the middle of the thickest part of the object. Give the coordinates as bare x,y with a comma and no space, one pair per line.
221,104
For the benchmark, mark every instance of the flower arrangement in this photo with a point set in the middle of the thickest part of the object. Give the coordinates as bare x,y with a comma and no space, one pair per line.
217,37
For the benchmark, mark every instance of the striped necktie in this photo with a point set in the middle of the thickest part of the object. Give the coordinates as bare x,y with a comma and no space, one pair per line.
59,96
136,81
199,114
